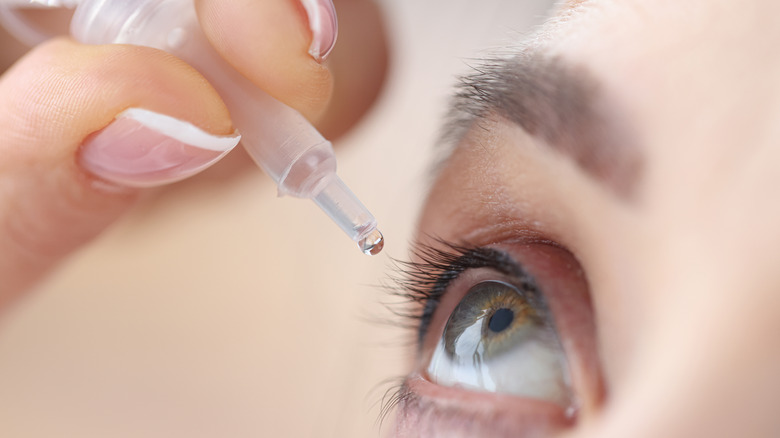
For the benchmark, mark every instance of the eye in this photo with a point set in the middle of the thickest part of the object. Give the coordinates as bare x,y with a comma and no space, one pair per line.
505,332
499,339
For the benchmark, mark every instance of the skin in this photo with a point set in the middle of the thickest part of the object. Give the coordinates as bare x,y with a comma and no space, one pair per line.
681,279
682,274
61,91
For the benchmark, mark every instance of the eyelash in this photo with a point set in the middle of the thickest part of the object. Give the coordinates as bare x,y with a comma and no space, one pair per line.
425,282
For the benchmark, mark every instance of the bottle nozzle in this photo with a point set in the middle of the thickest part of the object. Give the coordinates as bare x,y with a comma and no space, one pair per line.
346,210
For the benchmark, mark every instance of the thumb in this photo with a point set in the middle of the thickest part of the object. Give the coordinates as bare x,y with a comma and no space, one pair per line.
281,46
79,125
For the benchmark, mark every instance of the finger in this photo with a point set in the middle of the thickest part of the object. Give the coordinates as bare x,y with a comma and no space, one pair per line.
275,43
269,42
59,127
359,64
12,49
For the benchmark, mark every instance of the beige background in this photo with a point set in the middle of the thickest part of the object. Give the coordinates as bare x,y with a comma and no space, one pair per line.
220,310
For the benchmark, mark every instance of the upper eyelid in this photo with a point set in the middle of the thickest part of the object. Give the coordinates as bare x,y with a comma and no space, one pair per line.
426,281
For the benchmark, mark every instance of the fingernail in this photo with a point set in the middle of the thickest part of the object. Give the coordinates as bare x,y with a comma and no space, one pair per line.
324,27
141,148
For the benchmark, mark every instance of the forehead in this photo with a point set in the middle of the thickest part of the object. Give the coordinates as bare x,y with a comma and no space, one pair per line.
698,80
644,48
686,55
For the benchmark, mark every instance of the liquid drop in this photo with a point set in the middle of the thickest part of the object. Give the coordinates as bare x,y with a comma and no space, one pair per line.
373,243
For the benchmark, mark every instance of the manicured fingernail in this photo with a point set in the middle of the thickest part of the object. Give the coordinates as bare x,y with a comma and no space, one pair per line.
324,27
141,148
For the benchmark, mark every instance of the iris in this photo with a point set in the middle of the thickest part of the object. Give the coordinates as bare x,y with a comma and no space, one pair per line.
499,338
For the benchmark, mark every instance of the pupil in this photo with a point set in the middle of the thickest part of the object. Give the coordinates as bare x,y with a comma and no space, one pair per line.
501,320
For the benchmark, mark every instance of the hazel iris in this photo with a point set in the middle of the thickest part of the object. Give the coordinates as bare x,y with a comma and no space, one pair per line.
491,318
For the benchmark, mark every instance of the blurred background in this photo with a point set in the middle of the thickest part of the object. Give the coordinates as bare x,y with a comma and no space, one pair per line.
217,309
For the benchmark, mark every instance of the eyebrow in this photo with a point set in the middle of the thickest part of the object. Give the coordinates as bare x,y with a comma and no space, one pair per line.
559,103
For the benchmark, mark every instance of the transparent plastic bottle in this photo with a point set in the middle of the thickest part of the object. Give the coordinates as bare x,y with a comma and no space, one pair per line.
279,139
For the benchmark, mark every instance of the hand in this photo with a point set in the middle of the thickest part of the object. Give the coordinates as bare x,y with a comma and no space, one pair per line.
59,103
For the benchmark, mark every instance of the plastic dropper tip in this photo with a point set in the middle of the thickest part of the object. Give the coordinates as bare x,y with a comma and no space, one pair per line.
373,243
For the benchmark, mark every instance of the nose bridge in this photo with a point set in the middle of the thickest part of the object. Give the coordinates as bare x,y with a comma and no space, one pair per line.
707,362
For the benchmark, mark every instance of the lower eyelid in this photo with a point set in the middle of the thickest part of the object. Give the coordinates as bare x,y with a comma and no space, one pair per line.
425,405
